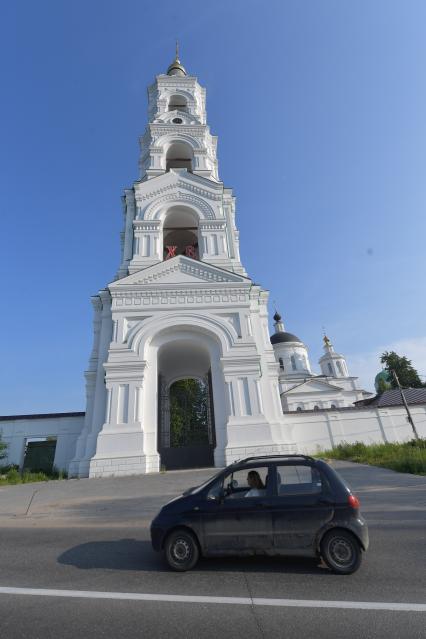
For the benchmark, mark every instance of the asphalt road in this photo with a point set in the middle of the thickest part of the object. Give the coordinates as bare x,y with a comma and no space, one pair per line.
91,536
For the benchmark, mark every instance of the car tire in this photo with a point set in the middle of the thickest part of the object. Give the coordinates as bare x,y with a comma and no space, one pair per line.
181,550
341,551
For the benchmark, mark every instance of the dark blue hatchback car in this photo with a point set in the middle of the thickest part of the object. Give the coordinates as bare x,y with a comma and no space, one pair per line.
274,505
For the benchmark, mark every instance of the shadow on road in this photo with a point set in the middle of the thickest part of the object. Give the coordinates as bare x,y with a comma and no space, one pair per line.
131,554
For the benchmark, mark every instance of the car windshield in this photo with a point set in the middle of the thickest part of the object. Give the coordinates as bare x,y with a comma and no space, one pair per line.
197,489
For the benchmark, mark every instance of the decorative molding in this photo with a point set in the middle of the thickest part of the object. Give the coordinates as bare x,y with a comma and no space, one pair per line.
161,128
196,143
179,196
187,297
150,225
190,267
207,225
180,184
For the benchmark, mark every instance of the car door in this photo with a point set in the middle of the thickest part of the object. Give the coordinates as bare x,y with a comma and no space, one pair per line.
301,505
235,523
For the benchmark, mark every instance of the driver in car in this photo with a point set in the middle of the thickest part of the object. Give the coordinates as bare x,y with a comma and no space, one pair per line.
257,489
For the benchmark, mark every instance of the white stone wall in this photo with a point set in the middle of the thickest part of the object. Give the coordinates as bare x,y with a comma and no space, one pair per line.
66,429
321,430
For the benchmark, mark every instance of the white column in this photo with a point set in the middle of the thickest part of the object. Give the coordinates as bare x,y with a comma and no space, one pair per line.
130,214
138,403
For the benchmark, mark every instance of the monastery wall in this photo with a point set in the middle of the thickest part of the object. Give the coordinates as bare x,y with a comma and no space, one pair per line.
15,431
314,431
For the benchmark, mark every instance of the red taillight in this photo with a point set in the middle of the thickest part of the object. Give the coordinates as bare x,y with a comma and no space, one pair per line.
353,501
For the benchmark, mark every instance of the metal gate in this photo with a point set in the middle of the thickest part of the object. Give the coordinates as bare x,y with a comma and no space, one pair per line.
182,443
39,456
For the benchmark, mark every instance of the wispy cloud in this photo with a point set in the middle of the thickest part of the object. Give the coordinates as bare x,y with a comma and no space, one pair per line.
367,365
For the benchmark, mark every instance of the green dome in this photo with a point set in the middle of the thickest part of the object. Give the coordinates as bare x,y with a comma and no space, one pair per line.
383,381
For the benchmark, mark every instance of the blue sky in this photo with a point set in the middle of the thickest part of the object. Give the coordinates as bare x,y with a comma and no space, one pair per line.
320,111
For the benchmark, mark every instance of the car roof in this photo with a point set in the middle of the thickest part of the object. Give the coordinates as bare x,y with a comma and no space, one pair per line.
266,459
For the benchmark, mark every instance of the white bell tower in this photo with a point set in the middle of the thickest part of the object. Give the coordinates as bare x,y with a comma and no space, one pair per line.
181,307
177,145
332,364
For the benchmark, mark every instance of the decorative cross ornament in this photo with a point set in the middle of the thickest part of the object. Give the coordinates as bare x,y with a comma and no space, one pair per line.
190,251
171,252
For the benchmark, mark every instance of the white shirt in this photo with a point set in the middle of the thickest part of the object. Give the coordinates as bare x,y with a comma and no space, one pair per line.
255,492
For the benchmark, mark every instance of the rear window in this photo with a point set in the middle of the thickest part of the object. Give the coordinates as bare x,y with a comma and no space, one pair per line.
298,480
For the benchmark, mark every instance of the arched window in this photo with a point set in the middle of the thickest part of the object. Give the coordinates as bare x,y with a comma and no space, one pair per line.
333,406
316,407
339,368
281,361
178,102
179,156
330,368
299,409
293,362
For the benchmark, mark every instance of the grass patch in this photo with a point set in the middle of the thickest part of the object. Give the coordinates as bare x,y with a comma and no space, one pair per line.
407,457
11,475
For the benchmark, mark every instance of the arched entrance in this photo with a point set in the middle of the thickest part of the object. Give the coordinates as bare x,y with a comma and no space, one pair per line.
186,429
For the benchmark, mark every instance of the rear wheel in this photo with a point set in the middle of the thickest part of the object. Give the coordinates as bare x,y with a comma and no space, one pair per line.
341,551
181,550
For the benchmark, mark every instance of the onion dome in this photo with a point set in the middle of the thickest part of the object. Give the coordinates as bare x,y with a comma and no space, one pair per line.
383,381
281,334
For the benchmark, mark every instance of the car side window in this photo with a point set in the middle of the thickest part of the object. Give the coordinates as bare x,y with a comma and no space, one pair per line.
247,482
298,479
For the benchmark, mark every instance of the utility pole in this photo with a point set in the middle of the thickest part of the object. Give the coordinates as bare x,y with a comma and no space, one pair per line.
404,401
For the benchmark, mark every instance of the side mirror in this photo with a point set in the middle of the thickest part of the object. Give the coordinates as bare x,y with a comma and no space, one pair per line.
219,497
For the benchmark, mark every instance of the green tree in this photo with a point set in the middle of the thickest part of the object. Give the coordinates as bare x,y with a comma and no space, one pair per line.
188,413
382,385
407,375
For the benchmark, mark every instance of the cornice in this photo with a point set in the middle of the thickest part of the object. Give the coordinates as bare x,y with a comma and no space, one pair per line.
182,296
209,225
163,128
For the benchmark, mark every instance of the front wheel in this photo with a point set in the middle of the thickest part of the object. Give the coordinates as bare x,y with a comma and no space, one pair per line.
181,550
341,552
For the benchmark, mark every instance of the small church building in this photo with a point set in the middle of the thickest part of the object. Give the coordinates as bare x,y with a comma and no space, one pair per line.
183,372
